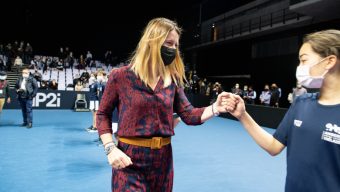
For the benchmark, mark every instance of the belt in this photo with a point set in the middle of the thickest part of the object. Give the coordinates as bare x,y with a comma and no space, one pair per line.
153,143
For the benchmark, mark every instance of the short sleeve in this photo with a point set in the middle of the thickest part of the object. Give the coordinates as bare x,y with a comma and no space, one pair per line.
284,128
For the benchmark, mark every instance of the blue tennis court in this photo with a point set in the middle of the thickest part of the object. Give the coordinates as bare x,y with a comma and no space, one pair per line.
57,154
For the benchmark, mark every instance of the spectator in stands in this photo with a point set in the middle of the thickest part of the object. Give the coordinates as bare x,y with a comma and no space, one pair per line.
53,85
298,91
274,95
92,63
153,82
26,88
44,64
187,88
15,48
79,86
202,86
60,64
81,63
37,75
87,85
43,85
70,60
217,89
108,58
62,53
20,51
84,77
195,83
88,58
28,53
237,90
311,128
33,64
4,90
265,96
51,64
67,52
251,95
245,91
18,63
209,89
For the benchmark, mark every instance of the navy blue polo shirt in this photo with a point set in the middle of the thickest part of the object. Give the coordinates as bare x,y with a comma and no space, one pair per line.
311,132
93,92
100,88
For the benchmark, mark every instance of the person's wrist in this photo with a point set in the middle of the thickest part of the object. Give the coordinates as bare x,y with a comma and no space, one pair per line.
107,143
109,147
214,109
242,116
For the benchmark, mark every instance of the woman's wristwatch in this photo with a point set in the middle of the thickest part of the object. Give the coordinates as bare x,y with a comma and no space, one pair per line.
109,147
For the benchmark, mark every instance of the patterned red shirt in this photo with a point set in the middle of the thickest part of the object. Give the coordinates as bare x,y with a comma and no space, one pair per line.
142,111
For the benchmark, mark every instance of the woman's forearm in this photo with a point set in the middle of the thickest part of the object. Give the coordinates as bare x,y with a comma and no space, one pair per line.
261,137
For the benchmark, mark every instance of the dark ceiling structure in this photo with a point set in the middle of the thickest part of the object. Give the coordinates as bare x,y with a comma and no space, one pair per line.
99,25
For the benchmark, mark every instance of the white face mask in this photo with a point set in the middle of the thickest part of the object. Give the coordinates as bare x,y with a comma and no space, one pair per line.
304,78
25,75
100,78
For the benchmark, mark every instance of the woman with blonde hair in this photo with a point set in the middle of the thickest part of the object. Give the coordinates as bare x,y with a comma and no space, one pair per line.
147,93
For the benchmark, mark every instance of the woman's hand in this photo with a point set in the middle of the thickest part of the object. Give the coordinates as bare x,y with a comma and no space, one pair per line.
118,160
225,102
234,104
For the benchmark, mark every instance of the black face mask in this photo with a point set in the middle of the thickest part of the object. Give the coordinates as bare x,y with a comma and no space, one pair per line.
168,55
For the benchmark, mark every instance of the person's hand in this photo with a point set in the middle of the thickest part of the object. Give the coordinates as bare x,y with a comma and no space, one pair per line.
8,100
217,105
234,104
118,160
221,106
20,90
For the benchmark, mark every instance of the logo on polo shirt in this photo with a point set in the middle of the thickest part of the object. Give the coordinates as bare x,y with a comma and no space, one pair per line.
331,133
297,123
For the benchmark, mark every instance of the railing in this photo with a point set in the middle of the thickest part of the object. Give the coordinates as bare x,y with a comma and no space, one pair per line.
293,2
223,30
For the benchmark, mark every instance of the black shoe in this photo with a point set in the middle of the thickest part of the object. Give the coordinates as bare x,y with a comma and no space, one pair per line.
93,130
29,125
23,125
90,128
